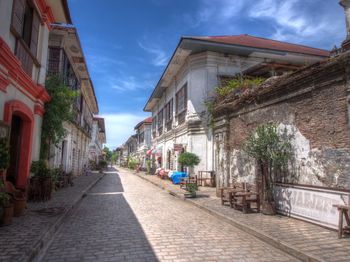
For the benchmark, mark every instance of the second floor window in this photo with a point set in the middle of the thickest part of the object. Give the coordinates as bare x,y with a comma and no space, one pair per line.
25,26
154,126
141,138
53,66
181,100
160,119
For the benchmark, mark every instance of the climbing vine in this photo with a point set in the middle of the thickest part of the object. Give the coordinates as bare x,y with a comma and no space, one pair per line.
57,111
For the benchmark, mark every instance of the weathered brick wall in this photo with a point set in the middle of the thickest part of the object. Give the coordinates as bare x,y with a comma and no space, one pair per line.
318,119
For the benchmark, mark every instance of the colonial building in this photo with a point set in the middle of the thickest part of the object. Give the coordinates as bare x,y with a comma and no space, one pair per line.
98,139
24,34
66,58
178,102
144,137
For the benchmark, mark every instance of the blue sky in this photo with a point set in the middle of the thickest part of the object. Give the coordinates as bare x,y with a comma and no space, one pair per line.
127,43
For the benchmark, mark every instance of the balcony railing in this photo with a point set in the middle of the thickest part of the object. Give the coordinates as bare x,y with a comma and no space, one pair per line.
24,55
181,118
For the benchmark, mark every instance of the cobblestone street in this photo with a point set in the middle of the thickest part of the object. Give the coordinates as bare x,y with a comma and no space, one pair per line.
124,218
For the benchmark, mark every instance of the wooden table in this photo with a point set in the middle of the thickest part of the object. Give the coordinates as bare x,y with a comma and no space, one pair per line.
343,212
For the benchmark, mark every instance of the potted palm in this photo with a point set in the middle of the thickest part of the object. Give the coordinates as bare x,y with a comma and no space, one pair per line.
190,160
6,206
271,151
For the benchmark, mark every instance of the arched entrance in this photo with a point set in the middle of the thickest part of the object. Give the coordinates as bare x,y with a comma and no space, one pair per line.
21,119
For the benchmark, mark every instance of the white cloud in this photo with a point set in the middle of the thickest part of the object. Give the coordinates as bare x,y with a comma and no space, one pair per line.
160,58
126,83
297,24
119,127
315,22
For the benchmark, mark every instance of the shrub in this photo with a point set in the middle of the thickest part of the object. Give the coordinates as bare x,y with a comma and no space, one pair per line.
237,83
102,164
188,159
39,168
132,163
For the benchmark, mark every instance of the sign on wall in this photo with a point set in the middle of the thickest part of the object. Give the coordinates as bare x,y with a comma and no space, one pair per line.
314,205
178,147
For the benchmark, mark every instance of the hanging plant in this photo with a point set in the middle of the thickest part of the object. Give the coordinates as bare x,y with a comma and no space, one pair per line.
57,111
272,151
4,154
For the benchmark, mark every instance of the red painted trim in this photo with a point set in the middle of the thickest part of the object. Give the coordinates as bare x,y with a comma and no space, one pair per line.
4,82
45,13
39,110
20,109
19,76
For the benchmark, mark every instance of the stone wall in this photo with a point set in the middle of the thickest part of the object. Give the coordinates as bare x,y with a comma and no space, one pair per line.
312,105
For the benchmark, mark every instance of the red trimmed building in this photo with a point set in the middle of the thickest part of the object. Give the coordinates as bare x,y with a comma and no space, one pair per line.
24,33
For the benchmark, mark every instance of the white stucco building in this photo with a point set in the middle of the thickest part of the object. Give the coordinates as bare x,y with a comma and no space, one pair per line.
177,103
98,138
66,58
144,140
24,32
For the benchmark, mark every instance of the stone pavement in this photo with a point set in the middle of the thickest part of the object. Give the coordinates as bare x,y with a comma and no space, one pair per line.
124,218
303,240
22,240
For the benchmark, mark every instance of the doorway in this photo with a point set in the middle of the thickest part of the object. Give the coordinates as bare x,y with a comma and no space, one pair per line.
15,148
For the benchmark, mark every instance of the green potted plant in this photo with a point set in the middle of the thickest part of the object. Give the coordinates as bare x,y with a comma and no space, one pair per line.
192,189
189,160
4,155
272,151
6,206
42,180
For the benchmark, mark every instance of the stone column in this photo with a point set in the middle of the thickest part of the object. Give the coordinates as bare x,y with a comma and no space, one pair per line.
346,5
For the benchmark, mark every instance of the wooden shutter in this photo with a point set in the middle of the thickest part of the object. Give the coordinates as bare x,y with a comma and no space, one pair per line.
35,34
18,15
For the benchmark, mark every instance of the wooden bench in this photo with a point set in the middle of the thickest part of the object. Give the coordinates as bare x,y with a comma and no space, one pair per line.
244,199
226,193
343,212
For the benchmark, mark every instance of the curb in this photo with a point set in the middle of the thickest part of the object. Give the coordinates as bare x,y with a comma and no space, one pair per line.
295,252
47,236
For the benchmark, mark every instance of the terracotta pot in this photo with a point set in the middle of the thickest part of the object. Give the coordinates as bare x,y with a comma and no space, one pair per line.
268,208
7,215
18,206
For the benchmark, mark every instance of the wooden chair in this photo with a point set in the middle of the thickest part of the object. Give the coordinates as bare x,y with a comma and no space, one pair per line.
206,178
244,199
226,193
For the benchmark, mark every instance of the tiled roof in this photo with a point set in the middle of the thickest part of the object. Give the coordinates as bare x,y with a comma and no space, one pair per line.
263,43
148,120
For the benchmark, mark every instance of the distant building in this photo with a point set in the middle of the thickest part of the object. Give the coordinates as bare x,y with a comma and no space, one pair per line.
197,67
98,139
144,140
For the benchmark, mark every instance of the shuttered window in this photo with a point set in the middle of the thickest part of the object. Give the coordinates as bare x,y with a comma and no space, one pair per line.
26,24
18,16
53,67
181,100
35,34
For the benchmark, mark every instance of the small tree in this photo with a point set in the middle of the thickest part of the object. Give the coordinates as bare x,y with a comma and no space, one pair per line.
271,151
188,159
